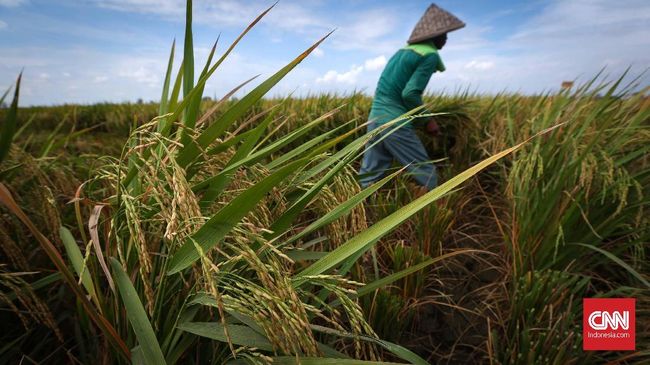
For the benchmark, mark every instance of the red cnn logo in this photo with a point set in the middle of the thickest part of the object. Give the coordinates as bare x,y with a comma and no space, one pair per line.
608,324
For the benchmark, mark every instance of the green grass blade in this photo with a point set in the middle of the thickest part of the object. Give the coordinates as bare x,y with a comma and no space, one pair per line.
191,151
397,350
304,148
77,259
286,219
137,316
173,101
137,356
222,147
204,299
205,117
217,186
189,112
343,208
164,98
9,124
291,360
352,147
264,152
239,335
201,82
206,68
366,238
24,127
188,52
302,255
57,143
371,287
192,111
215,229
38,284
51,139
55,256
620,262
179,108
4,95
342,158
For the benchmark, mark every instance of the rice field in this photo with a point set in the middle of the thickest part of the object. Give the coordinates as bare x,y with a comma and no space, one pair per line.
234,231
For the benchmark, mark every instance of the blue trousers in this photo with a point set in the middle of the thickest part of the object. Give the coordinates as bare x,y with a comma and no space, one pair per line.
403,146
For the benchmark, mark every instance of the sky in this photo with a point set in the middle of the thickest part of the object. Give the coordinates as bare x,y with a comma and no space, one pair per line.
87,51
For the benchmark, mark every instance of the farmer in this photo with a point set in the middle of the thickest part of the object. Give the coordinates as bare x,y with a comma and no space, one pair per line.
398,91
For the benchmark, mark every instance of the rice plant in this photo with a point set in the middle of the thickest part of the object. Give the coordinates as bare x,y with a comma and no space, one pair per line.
233,230
188,242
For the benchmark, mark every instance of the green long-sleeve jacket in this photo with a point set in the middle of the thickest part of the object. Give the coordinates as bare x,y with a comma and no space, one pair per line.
403,80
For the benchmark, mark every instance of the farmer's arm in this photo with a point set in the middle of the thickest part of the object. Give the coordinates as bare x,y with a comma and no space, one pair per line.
412,93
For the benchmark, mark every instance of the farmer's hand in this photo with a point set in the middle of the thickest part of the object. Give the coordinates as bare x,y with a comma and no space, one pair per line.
432,128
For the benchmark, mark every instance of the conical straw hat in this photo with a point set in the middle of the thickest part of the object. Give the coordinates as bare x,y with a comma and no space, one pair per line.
434,22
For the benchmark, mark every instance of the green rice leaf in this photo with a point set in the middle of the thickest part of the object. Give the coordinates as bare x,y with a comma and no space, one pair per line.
221,147
244,150
291,360
204,299
77,259
4,95
305,147
238,334
46,281
620,262
262,153
191,151
188,52
397,350
180,107
215,229
9,124
137,316
367,238
173,101
342,158
164,98
286,219
52,252
205,117
300,255
192,112
371,287
343,208
137,356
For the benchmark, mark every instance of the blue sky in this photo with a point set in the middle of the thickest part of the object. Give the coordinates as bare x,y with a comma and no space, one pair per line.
86,51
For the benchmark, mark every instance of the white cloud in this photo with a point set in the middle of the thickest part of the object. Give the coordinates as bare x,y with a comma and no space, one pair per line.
479,65
142,70
3,25
83,75
12,3
225,13
375,63
564,40
351,76
577,38
348,77
375,29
